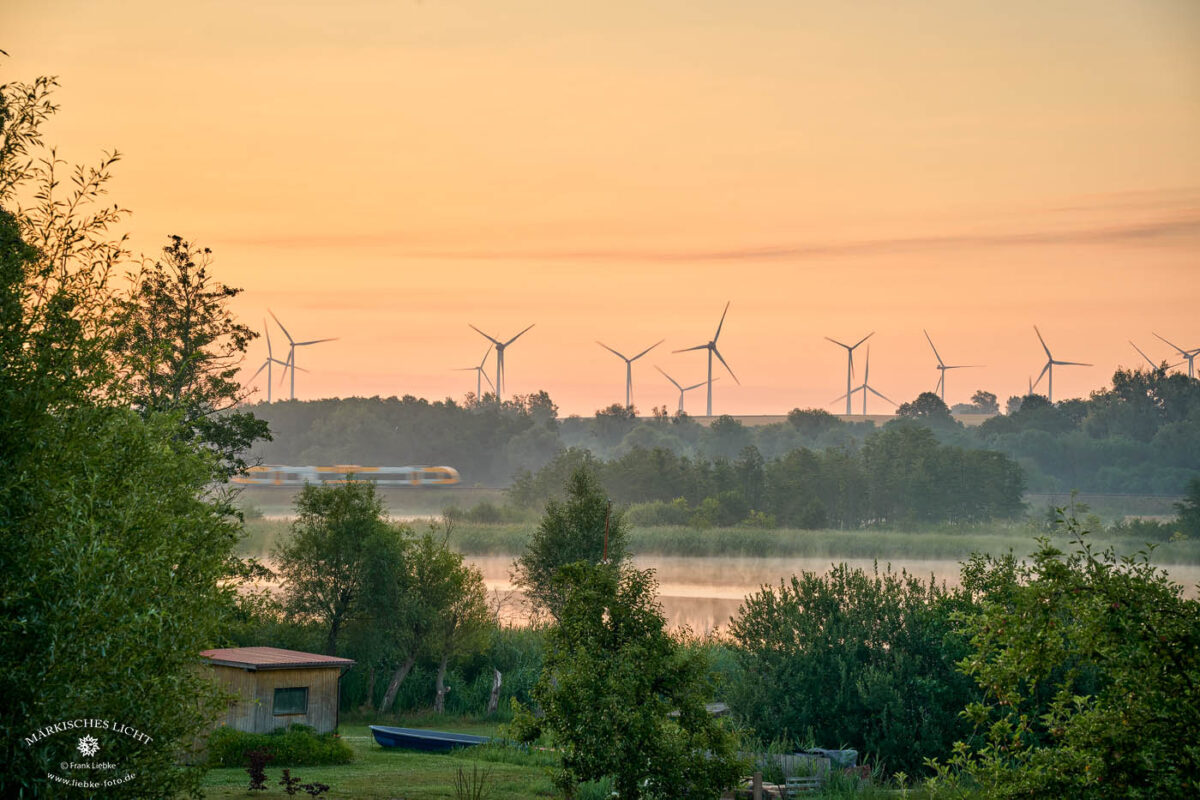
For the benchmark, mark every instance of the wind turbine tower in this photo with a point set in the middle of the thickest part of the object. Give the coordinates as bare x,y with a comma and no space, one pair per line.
865,387
480,375
681,389
850,364
500,348
1048,370
268,361
711,347
292,345
629,368
942,366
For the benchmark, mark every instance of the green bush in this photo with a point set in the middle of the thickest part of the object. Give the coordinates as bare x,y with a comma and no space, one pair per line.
293,746
1145,530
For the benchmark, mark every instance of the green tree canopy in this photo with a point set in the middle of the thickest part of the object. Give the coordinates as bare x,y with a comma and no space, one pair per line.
115,558
180,349
1090,665
611,683
571,530
335,552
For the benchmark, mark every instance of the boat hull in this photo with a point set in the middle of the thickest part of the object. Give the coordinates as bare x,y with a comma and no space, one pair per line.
428,741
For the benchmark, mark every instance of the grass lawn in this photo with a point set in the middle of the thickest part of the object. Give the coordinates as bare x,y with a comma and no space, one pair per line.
379,774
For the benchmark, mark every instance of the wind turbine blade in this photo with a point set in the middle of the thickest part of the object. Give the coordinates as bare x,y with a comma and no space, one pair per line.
668,377
863,339
1143,355
280,324
835,341
717,335
1073,364
931,347
688,349
267,332
518,336
485,355
647,350
717,353
260,369
697,385
316,341
483,372
484,335
961,366
1043,341
1182,352
286,366
1042,374
871,389
614,352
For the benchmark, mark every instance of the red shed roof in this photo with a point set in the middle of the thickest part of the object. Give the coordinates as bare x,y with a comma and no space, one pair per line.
256,658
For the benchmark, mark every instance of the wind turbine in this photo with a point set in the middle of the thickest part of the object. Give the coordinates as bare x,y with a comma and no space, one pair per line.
866,385
1149,360
942,366
499,385
1049,368
293,344
267,362
681,389
1188,356
850,365
480,375
711,347
629,367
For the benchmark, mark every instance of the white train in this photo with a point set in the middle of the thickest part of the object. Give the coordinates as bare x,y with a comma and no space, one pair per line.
282,475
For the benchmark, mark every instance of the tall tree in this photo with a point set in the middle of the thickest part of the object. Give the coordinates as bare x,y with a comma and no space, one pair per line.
436,609
622,698
340,541
584,527
180,348
114,558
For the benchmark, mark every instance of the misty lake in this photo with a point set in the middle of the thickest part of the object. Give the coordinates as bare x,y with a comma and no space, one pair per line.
703,593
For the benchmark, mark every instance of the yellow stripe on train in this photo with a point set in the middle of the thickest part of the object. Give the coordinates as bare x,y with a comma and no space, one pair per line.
283,475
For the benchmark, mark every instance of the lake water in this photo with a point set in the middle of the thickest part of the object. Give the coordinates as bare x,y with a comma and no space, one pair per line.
703,593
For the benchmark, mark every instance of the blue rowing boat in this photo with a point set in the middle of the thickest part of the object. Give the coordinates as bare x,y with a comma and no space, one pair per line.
429,741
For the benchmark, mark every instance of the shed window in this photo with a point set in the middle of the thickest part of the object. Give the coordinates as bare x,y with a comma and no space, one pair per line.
291,700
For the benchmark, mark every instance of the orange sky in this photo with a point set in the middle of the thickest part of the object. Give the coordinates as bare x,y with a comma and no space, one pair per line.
388,172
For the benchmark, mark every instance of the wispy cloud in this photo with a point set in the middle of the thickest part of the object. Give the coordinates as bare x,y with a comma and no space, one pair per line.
1183,228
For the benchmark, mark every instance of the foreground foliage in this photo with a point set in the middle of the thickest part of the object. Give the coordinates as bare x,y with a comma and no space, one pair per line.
293,746
622,698
116,562
855,659
1090,665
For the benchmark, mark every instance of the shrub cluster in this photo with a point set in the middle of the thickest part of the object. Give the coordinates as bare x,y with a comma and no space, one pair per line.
293,746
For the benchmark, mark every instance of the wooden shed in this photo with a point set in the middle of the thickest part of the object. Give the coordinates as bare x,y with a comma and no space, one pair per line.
277,688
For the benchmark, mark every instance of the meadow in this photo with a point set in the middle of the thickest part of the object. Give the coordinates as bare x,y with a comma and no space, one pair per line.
379,774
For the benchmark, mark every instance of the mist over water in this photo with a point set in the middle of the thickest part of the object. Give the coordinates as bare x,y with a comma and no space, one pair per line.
703,593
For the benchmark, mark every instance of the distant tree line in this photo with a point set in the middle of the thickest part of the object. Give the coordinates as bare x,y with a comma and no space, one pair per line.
1141,435
899,475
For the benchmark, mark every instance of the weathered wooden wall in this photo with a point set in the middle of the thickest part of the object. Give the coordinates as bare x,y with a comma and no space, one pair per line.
254,711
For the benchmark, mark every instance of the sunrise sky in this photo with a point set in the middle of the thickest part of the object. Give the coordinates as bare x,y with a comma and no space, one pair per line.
388,172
